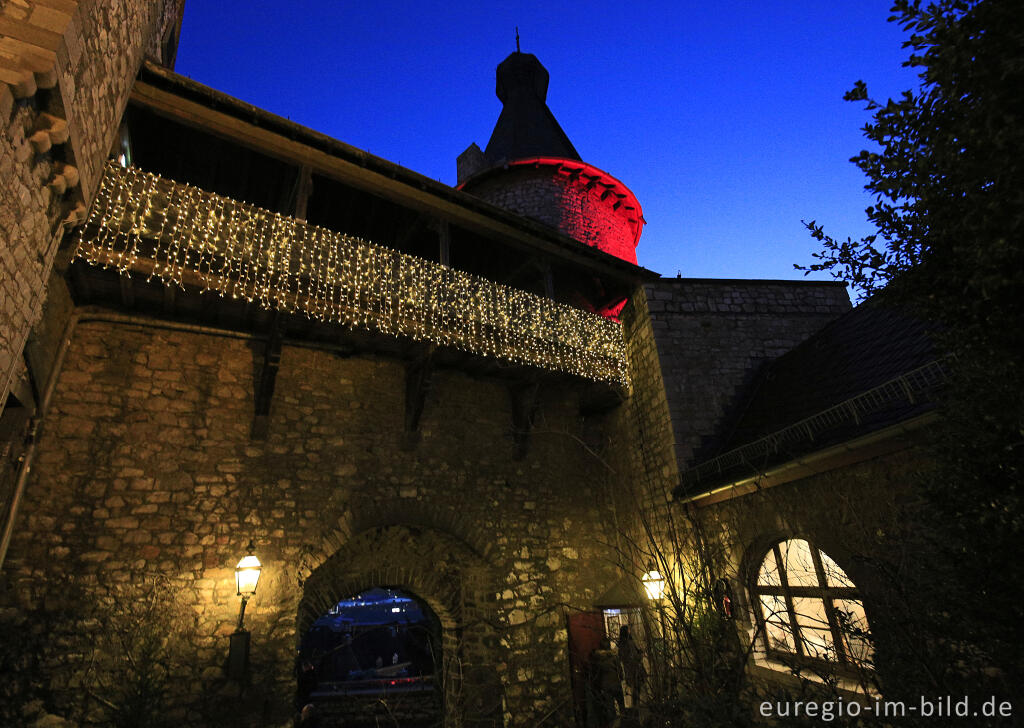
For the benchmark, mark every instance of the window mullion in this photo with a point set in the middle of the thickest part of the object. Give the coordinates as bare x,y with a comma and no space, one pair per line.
830,611
787,595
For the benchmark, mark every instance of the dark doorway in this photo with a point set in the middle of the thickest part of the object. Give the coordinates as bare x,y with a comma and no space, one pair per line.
373,656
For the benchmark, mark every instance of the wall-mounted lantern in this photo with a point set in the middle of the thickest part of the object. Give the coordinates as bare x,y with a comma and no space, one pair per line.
247,576
654,583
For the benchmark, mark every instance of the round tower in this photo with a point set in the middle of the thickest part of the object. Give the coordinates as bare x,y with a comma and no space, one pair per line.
531,168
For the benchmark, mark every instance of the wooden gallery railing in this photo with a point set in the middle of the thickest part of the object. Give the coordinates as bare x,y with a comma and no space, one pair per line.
144,224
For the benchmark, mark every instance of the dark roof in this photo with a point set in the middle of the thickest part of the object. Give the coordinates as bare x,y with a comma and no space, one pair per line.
526,127
870,368
221,103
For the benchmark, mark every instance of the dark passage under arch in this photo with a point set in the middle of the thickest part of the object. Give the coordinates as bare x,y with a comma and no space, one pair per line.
373,655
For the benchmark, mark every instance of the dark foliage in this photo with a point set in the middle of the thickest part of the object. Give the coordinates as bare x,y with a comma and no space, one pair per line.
948,178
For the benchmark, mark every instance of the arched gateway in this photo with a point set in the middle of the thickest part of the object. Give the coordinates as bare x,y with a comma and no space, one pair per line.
443,585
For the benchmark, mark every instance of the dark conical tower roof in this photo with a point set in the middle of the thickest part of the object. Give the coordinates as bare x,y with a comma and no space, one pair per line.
531,168
526,127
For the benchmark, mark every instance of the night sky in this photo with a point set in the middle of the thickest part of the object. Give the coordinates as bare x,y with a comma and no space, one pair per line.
726,119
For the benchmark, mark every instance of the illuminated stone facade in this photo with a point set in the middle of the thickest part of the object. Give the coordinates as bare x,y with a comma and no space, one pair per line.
173,424
61,99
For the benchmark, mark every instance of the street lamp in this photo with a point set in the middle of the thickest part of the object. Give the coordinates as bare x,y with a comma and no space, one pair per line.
654,583
247,576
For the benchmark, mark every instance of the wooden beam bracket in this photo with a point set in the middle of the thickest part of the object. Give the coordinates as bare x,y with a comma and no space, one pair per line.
524,406
418,374
266,377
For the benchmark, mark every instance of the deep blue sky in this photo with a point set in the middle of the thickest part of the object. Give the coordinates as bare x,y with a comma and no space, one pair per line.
726,119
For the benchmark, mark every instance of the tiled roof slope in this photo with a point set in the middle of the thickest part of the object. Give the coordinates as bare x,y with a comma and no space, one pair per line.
876,355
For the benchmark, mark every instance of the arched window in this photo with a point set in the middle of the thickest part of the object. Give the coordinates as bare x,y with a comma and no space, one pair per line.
808,607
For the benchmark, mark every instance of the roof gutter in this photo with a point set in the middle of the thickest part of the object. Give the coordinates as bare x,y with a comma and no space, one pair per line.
881,442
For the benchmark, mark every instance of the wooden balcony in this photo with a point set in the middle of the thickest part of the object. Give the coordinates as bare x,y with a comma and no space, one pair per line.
144,226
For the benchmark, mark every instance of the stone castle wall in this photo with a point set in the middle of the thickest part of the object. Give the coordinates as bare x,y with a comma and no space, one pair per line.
857,515
68,68
712,335
146,471
649,416
584,212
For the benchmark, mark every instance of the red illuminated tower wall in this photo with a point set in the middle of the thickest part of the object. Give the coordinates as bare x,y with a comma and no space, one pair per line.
530,167
583,202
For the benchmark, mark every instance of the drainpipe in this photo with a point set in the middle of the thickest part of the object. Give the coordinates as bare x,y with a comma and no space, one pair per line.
32,437
83,315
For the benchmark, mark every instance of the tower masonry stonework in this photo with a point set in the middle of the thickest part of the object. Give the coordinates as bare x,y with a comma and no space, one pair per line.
67,70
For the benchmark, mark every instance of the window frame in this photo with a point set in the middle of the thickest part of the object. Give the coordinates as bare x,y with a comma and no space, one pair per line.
828,595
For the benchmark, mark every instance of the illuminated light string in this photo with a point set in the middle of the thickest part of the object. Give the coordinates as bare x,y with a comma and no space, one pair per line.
178,233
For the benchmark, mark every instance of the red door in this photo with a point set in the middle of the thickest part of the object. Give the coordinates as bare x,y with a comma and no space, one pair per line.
585,632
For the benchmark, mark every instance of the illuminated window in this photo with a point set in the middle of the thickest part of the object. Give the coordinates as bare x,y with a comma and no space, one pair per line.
808,607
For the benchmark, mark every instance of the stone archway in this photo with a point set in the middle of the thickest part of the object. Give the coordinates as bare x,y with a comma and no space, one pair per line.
447,576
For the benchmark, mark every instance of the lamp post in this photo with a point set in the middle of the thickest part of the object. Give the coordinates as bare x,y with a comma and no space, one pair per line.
247,576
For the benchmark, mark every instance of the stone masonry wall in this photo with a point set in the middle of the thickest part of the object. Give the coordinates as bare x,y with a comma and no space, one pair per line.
146,471
647,413
855,514
68,68
713,334
583,212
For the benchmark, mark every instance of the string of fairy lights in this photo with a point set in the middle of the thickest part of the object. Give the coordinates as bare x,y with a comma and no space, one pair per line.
142,223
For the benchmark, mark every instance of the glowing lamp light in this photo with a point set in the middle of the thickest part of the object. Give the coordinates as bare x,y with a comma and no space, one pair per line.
247,573
654,583
247,576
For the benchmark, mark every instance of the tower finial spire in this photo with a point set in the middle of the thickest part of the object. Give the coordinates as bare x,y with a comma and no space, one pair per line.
517,39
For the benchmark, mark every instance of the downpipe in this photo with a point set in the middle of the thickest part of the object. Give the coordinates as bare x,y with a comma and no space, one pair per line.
32,437
38,420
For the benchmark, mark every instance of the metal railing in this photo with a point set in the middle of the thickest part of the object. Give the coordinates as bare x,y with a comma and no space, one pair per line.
912,387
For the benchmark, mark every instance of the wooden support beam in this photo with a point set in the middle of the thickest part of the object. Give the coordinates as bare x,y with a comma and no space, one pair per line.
170,291
302,192
417,383
444,240
127,291
524,407
294,198
266,377
549,279
373,218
